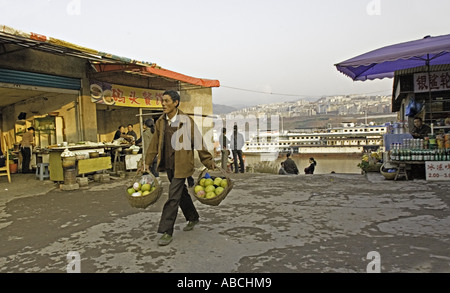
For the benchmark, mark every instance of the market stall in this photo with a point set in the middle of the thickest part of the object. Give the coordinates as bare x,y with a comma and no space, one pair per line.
90,157
421,72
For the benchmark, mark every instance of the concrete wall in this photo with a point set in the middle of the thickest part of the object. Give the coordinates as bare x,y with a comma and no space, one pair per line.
199,102
41,62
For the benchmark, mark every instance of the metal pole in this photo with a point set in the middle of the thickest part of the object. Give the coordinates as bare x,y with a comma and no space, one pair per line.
142,135
429,88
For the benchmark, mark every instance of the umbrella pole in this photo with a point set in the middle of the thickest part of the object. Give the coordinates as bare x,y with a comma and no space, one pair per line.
429,87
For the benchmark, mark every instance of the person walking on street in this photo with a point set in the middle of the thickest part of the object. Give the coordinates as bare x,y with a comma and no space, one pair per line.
289,165
237,143
175,138
26,146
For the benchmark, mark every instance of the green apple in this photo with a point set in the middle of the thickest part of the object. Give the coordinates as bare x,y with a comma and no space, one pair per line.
130,190
209,188
202,182
219,190
197,188
146,192
210,195
146,187
217,181
224,183
201,193
208,182
153,188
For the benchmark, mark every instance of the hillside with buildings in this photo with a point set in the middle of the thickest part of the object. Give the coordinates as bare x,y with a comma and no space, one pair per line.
323,112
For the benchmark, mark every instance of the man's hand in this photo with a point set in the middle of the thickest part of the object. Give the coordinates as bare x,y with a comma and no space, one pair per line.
143,168
213,165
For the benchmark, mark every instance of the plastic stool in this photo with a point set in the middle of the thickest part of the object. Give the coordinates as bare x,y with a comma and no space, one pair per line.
42,171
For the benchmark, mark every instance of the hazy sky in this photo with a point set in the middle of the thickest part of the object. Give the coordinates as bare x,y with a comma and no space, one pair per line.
285,46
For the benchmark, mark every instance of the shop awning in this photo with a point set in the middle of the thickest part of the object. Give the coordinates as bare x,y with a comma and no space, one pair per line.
156,70
102,61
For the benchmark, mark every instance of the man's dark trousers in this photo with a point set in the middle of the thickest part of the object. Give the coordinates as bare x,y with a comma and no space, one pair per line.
178,196
26,158
237,154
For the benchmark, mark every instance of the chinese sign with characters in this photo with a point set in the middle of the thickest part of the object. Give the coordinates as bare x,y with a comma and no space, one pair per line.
437,171
119,95
435,81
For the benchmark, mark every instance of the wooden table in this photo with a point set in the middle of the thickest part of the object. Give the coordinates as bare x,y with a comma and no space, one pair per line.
83,166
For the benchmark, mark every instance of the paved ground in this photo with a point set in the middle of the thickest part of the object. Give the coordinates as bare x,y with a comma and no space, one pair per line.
268,223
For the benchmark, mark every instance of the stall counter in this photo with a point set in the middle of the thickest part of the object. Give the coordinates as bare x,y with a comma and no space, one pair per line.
85,165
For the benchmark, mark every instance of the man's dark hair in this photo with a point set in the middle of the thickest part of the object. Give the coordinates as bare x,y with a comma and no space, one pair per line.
130,125
288,155
120,126
174,95
31,128
224,130
418,118
149,123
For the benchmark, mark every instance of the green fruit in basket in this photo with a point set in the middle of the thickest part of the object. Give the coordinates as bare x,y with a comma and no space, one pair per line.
197,188
201,193
146,187
217,181
202,182
224,183
147,192
210,195
219,190
208,182
153,188
137,186
209,188
131,190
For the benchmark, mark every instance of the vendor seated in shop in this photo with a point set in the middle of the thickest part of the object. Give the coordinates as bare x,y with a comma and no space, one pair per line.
121,134
420,130
131,131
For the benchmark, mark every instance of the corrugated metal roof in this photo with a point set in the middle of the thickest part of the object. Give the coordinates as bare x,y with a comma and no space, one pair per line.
27,40
413,70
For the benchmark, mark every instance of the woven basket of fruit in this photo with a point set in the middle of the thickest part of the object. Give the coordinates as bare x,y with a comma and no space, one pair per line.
212,186
143,190
389,172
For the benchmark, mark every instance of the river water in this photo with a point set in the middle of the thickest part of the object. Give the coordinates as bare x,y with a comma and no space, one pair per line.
326,163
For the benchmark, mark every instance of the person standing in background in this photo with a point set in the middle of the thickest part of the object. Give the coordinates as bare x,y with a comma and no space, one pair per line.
26,146
224,143
147,135
237,143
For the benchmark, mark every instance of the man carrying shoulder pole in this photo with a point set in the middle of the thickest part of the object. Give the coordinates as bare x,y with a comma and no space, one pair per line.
175,138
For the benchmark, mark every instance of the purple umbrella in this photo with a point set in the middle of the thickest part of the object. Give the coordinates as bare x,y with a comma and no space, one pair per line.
383,62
